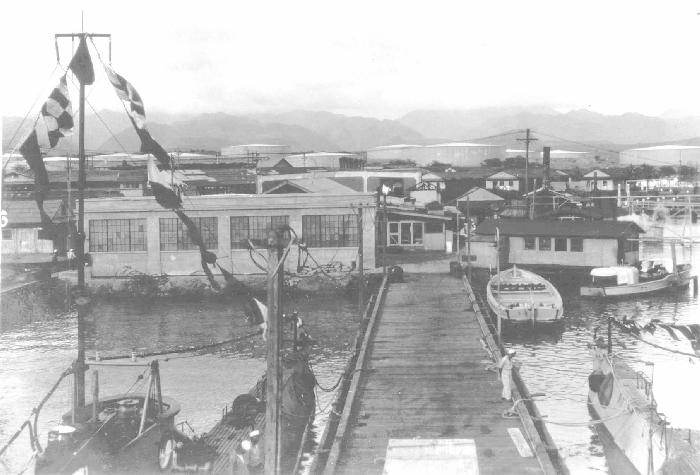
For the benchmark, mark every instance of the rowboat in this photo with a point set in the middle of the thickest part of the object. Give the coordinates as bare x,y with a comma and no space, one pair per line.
518,295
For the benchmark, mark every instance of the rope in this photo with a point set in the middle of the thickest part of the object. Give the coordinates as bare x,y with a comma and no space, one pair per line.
189,349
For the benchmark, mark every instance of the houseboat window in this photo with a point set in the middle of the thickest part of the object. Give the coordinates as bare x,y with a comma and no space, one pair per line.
529,243
576,245
7,234
510,183
431,228
545,244
175,237
393,234
255,228
631,246
330,230
417,233
605,183
117,235
560,244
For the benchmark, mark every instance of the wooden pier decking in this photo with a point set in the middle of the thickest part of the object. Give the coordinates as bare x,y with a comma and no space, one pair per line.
424,375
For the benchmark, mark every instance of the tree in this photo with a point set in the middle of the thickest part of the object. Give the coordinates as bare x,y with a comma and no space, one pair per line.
686,172
492,163
667,170
515,162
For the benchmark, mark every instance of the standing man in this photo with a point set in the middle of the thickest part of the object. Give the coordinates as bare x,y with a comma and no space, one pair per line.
505,373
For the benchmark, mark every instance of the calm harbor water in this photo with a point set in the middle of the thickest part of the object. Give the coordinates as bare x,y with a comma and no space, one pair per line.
555,362
34,355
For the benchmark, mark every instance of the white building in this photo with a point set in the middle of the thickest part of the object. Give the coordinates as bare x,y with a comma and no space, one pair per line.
126,235
458,154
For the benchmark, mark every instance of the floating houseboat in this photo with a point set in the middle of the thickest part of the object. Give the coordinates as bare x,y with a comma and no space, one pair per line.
518,295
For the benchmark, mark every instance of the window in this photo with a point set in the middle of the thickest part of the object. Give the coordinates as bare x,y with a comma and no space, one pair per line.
6,234
500,182
631,246
545,244
605,183
431,228
560,244
255,228
510,183
529,243
576,245
174,235
117,235
394,234
330,230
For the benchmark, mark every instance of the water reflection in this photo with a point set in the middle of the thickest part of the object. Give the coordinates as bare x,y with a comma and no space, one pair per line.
34,355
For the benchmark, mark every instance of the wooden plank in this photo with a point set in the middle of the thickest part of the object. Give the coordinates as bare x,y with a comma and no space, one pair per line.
421,456
426,377
352,392
520,442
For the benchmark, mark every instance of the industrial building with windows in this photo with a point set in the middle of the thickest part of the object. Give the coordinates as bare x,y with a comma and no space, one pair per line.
135,235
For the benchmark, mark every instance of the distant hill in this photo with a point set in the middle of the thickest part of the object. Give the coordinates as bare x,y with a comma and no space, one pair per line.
348,133
577,125
581,130
301,130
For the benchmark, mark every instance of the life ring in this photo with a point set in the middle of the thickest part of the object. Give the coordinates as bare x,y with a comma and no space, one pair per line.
165,453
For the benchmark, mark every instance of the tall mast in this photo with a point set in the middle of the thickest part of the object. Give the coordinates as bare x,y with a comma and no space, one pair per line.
81,295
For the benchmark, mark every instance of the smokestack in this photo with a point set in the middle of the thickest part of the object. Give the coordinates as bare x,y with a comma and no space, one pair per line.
545,164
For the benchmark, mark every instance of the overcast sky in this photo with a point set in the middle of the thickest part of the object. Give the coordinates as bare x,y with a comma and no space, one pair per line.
375,58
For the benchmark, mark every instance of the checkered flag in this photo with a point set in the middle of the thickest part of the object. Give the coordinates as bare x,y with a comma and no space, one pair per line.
126,92
58,113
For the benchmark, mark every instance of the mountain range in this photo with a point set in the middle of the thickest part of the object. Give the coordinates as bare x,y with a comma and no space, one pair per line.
110,131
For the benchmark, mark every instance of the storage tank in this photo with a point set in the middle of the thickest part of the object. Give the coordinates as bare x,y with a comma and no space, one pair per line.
661,155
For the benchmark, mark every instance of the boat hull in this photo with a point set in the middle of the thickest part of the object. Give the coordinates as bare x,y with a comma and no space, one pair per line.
670,281
112,445
629,429
533,306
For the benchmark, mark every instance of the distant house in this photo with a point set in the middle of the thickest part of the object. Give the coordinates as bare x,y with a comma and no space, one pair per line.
481,202
561,244
415,230
503,181
25,233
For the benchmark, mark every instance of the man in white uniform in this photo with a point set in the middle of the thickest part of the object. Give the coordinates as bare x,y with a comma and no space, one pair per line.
505,373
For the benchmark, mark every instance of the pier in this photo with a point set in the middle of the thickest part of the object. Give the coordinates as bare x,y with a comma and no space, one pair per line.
424,393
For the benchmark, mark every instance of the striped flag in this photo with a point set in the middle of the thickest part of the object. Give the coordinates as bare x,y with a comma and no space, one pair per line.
58,113
165,190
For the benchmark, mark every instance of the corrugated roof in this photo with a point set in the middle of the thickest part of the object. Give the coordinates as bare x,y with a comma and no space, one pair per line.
316,185
478,194
554,228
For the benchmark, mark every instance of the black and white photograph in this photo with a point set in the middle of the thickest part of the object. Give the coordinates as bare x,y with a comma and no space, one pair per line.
350,238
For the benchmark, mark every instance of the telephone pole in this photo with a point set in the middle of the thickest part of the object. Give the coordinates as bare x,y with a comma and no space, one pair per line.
527,141
360,260
273,411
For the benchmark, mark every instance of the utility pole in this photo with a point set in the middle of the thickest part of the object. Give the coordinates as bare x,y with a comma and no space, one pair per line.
386,235
527,141
469,243
360,260
273,410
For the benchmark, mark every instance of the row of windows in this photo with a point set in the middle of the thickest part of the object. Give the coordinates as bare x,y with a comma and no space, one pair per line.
129,235
559,244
